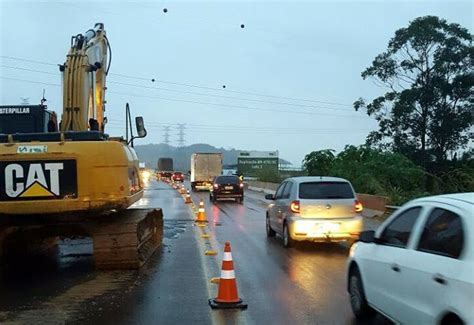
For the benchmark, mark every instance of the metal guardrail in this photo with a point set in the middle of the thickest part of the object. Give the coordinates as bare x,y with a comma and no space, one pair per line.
392,207
389,210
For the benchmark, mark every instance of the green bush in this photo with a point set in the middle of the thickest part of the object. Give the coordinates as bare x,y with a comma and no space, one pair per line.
269,176
373,171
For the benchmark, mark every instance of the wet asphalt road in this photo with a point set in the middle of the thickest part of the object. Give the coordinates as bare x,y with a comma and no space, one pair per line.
302,285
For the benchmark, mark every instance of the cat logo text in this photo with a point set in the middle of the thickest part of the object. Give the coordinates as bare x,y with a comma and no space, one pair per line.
34,180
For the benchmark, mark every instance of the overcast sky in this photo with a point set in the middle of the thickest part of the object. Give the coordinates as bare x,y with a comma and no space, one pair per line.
290,74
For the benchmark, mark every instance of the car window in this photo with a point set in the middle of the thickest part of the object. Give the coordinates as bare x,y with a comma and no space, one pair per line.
325,190
398,231
287,191
227,180
442,234
279,192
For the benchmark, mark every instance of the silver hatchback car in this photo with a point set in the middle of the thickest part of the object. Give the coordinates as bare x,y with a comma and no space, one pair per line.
318,209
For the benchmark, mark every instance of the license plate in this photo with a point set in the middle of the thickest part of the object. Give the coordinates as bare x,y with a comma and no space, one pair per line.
229,188
38,180
324,229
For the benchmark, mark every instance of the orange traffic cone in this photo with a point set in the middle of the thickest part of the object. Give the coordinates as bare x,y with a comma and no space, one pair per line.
201,215
227,296
187,199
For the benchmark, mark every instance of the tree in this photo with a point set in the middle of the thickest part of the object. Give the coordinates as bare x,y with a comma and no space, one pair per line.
379,172
371,171
319,163
427,109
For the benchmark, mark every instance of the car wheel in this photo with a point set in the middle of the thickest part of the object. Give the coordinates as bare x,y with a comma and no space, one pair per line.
287,240
270,231
240,200
360,307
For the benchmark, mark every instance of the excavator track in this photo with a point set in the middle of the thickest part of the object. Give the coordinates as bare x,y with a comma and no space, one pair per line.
124,239
127,239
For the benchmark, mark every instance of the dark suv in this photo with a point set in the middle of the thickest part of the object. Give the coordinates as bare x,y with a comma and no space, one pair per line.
227,187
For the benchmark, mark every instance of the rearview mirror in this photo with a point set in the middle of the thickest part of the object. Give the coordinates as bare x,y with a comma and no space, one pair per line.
269,197
140,127
367,236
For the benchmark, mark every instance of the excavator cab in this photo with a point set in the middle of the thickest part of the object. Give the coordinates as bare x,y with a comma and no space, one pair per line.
27,119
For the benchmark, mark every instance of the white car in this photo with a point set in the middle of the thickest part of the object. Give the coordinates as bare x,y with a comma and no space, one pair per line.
418,267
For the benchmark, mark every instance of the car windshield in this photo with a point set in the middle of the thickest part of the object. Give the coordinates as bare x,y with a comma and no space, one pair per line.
227,180
325,190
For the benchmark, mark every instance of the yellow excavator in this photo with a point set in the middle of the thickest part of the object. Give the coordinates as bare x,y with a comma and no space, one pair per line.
73,169
78,168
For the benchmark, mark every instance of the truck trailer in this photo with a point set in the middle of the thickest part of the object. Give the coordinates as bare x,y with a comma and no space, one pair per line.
204,167
164,168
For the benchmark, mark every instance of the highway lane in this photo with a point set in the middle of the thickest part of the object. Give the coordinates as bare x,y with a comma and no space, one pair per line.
65,288
303,285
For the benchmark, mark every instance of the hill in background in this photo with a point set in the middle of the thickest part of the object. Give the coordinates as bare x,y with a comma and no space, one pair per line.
149,153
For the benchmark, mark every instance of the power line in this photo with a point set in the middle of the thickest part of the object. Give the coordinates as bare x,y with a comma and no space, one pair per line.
205,103
192,85
191,126
29,70
227,90
31,81
230,97
194,93
235,106
263,132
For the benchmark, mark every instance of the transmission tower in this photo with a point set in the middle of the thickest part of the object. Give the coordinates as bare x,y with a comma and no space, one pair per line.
166,136
181,134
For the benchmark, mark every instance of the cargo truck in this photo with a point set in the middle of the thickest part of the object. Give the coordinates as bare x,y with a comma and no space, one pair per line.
204,167
165,168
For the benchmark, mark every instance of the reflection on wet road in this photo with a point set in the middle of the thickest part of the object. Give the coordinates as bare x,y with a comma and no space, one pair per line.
302,285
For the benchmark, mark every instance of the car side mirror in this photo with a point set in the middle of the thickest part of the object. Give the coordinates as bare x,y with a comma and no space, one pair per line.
140,127
367,236
269,197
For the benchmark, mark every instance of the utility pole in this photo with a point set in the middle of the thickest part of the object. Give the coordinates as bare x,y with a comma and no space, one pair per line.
181,127
166,136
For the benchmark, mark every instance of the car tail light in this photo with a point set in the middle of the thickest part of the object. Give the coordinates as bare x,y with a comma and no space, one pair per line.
216,186
358,207
295,206
241,185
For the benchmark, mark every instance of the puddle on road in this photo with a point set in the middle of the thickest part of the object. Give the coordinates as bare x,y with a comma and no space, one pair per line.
64,287
172,229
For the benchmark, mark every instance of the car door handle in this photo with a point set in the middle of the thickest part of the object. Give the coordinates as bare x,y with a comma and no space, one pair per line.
395,268
439,278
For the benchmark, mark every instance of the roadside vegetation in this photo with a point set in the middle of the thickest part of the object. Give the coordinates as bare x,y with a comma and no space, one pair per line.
425,117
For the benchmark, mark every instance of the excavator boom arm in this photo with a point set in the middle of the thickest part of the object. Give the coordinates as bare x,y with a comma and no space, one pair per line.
84,79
